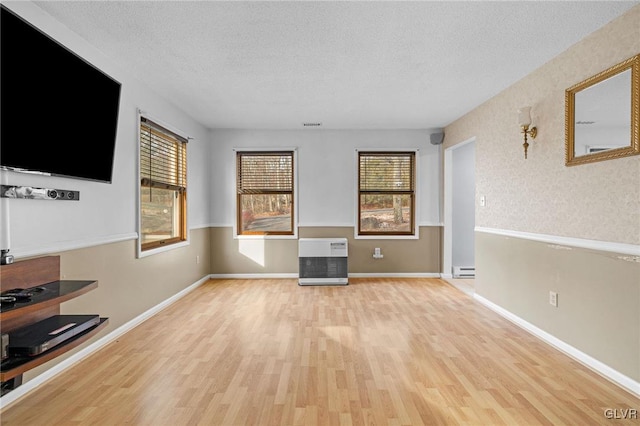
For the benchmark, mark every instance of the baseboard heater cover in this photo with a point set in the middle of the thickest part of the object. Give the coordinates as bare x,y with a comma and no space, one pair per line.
464,271
323,261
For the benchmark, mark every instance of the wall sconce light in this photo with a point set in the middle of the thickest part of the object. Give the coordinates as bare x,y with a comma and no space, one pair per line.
524,120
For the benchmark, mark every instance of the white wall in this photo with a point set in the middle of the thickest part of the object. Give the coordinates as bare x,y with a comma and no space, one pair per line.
105,212
326,170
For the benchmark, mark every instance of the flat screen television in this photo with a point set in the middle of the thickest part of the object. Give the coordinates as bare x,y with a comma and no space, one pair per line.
58,113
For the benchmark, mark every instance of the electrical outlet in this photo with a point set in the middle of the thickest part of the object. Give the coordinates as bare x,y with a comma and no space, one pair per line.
377,254
198,260
553,298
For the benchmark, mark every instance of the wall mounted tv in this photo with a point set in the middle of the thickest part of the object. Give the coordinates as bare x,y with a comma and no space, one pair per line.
58,113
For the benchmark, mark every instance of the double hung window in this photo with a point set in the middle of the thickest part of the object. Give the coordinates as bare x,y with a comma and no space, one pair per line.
386,193
163,186
265,192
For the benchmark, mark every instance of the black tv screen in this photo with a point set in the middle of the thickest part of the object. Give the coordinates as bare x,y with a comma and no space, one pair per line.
59,114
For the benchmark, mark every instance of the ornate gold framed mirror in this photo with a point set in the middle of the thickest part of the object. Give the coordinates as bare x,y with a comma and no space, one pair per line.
602,115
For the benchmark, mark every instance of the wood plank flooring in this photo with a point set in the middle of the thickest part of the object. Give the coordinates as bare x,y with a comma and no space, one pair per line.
378,351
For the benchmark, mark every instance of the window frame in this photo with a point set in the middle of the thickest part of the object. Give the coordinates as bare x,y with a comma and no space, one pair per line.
415,202
146,249
237,233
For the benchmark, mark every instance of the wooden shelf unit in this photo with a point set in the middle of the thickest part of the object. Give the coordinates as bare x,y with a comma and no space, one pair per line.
43,276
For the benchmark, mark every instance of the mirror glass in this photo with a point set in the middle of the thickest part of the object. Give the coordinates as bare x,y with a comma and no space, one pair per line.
602,115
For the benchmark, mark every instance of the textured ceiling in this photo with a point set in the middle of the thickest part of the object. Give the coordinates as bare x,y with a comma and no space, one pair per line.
347,65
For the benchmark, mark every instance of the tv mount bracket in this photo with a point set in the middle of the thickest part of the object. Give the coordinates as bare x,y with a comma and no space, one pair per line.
32,193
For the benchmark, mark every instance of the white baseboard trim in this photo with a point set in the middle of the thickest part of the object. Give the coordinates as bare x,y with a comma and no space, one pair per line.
446,276
32,384
609,373
351,275
252,276
395,275
621,248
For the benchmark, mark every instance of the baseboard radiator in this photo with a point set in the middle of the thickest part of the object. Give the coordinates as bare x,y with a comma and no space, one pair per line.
464,272
323,261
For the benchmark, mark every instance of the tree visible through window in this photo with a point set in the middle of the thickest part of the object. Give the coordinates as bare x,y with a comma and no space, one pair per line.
163,186
386,193
265,193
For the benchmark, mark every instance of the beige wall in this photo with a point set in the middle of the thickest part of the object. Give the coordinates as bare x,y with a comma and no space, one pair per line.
598,308
127,286
599,292
280,256
599,201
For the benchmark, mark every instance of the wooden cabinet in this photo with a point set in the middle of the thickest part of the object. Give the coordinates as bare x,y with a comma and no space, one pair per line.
42,277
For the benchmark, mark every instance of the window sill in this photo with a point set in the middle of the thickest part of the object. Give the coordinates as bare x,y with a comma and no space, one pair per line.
266,237
386,237
163,249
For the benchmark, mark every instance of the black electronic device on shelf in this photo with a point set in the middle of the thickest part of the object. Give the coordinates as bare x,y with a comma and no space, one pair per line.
41,336
4,349
17,294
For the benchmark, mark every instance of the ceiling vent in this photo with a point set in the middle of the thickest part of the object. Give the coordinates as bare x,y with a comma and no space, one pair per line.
312,124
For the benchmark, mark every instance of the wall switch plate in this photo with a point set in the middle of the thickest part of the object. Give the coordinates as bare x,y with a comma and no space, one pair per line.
483,201
553,298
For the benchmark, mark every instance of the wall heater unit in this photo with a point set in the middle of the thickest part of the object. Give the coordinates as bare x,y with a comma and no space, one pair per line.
322,261
464,271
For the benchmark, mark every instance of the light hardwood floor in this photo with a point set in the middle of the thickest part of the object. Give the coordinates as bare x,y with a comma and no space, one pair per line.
378,351
466,285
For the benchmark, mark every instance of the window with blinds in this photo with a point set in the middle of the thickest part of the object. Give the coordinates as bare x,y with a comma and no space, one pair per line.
163,186
265,192
386,193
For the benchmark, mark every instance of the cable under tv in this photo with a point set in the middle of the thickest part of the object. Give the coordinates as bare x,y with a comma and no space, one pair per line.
41,336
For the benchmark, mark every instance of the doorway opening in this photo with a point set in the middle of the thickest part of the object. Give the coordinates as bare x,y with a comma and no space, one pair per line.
459,215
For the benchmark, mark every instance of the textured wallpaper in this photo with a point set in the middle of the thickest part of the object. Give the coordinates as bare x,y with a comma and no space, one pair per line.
597,201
